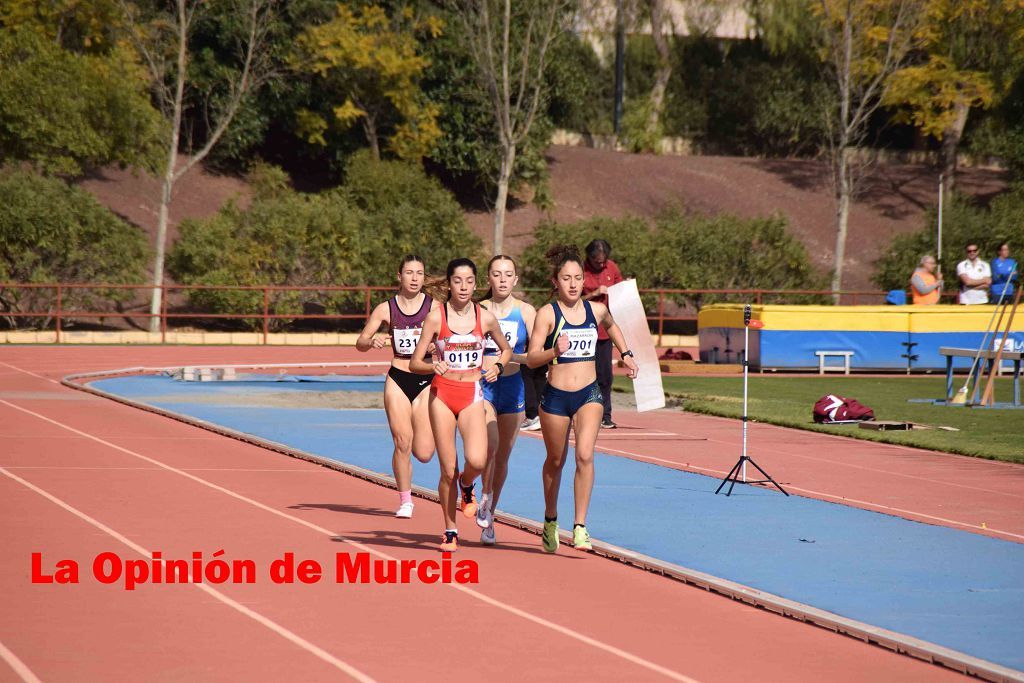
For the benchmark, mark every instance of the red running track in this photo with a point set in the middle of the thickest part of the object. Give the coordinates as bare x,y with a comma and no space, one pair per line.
82,475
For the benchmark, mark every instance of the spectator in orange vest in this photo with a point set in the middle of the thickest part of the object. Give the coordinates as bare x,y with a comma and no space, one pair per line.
925,286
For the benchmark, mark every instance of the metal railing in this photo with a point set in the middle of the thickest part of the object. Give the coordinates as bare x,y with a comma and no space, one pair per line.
669,305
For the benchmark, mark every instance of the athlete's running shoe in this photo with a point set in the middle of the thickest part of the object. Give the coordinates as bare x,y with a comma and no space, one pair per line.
487,536
581,538
404,511
550,536
468,500
449,542
484,516
530,424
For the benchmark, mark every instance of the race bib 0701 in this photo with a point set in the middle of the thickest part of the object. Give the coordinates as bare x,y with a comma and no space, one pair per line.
581,342
407,339
510,328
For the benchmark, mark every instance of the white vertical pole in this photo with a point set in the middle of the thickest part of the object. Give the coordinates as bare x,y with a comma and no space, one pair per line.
746,363
938,251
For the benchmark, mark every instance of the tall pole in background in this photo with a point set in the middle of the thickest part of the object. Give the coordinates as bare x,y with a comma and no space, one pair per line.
938,252
620,62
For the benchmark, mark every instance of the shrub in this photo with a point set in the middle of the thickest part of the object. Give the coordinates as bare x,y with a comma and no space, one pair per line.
51,232
403,211
352,235
687,251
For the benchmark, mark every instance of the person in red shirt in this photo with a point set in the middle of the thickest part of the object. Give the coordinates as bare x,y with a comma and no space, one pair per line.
600,273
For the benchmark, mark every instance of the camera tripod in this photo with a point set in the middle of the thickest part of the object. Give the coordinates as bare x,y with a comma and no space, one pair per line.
739,470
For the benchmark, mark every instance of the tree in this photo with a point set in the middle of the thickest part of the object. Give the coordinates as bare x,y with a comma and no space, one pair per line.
65,112
79,26
163,40
664,70
373,64
862,43
510,47
967,59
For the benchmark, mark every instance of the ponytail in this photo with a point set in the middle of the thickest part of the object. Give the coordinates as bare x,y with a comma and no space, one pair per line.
559,255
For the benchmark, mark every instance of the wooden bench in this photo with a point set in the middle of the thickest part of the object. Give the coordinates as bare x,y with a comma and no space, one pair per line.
951,352
822,355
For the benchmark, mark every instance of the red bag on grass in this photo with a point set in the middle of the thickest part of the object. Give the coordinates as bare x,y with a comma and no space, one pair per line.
832,408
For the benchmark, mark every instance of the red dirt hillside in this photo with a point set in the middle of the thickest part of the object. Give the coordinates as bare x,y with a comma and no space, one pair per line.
588,182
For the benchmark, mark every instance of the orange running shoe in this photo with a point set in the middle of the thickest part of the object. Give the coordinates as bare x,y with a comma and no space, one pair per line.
468,501
450,541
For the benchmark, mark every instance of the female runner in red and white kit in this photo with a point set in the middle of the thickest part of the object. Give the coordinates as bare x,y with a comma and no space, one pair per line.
456,399
505,399
565,335
405,402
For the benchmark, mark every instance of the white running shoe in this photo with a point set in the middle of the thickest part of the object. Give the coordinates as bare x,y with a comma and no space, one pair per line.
487,536
530,425
404,511
484,516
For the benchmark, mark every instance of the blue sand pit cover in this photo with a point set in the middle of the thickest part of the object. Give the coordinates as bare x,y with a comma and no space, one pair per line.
950,587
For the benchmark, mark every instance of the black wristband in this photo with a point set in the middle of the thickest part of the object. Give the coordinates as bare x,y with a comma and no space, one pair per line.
500,366
627,352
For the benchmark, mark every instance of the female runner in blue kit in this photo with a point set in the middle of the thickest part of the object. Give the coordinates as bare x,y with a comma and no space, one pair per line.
565,335
505,399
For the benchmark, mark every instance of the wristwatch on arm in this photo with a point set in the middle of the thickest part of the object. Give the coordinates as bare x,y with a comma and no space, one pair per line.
627,352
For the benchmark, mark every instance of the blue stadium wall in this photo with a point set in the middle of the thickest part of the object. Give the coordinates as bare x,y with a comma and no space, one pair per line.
877,335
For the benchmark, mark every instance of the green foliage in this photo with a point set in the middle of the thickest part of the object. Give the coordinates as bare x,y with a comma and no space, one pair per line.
687,251
962,221
404,211
582,89
283,239
730,98
468,149
82,26
635,134
51,232
1001,134
371,64
971,49
65,112
352,235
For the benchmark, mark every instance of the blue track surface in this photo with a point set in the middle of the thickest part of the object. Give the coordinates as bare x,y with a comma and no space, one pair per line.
949,587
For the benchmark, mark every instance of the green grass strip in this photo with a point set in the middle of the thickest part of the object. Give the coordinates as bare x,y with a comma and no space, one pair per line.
788,402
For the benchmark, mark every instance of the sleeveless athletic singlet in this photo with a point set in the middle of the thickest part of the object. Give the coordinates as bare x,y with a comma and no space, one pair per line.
514,329
582,337
461,351
405,329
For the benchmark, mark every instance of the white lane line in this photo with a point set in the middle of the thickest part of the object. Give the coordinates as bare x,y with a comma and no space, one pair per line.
600,645
319,470
19,666
255,616
26,372
820,494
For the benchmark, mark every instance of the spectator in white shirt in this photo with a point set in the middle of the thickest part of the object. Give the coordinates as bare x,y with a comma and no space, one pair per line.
975,277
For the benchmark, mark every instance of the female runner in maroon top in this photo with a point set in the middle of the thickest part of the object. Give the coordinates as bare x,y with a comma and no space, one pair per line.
405,400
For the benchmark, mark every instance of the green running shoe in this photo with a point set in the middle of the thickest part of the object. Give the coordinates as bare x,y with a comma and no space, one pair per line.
550,537
581,538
